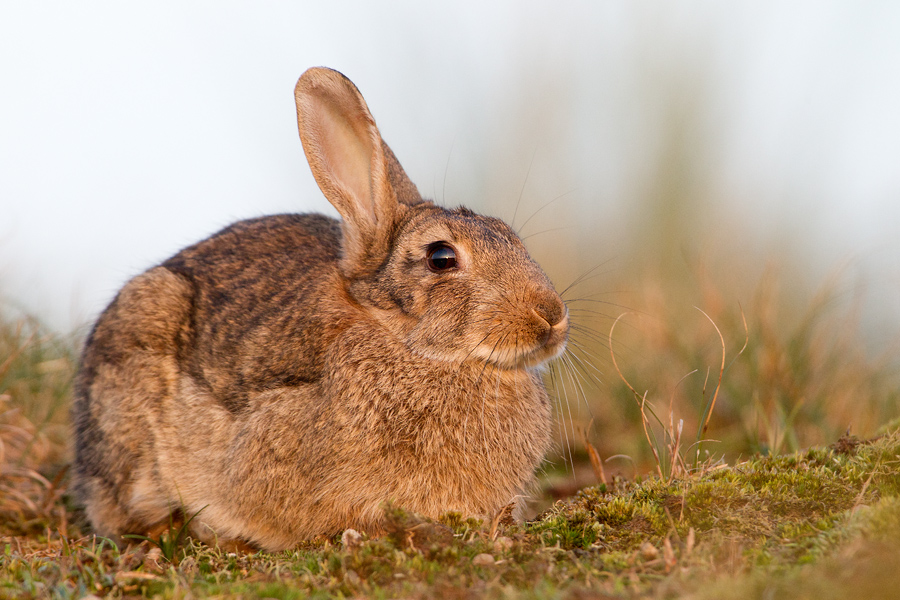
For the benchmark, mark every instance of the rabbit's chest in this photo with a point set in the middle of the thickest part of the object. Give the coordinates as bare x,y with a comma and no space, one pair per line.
398,413
437,413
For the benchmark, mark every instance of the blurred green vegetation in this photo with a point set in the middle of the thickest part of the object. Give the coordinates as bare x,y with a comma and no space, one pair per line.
797,371
677,278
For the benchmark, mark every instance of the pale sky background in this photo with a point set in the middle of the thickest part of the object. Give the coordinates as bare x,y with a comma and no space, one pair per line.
131,129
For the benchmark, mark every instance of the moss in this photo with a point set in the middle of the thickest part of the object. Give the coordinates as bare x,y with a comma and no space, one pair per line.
800,526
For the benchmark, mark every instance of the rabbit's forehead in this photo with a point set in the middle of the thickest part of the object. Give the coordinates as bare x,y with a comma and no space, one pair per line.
429,232
463,228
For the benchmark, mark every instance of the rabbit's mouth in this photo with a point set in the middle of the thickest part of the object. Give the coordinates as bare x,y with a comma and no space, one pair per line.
552,344
547,341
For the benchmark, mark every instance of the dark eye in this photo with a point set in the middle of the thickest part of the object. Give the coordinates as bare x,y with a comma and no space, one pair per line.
441,257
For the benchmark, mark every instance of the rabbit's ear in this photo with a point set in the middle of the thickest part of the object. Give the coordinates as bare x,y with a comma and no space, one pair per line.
406,190
351,164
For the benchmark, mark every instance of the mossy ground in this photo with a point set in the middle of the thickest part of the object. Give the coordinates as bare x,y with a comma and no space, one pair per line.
824,523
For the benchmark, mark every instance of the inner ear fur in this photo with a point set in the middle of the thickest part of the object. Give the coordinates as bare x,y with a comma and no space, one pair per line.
354,168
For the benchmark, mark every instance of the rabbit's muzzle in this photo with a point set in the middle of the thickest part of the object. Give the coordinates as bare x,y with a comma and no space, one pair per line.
551,324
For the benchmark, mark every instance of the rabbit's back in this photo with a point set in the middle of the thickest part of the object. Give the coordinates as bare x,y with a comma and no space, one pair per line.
259,293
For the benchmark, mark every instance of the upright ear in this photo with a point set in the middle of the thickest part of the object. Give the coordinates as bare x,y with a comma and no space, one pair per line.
406,190
355,170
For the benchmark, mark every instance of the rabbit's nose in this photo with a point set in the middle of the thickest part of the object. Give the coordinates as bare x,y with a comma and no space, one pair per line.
551,309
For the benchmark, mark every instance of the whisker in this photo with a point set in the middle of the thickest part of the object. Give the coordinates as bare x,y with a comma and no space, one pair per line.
491,355
585,365
571,441
522,191
562,421
604,293
557,386
563,195
589,363
583,276
497,422
581,367
588,311
525,237
475,347
580,389
588,299
447,170
591,334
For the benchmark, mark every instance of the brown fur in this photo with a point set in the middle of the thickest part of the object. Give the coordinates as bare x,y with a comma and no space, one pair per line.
290,374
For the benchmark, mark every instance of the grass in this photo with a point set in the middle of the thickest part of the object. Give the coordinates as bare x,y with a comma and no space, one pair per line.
36,370
709,378
752,515
825,519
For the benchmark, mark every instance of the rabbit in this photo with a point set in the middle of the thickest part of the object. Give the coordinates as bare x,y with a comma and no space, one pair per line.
286,377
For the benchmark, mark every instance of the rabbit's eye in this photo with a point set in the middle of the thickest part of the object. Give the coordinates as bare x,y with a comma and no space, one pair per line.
441,257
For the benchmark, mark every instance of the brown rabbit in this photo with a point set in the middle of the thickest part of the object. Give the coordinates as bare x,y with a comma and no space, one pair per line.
290,374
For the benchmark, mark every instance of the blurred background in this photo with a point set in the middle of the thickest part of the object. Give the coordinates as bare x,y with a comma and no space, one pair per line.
738,158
